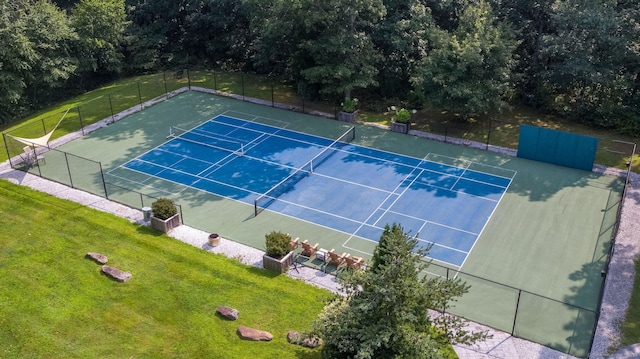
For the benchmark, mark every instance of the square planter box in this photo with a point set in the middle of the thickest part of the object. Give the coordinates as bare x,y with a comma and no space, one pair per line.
348,116
278,265
165,225
400,127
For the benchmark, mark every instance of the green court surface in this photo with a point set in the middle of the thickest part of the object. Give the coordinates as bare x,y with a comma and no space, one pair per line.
535,270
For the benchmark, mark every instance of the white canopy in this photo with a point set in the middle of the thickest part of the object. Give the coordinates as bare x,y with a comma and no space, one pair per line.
40,141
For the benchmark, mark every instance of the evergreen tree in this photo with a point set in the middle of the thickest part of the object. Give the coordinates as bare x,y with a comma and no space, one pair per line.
384,313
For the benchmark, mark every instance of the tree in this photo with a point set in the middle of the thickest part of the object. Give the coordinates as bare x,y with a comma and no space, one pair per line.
584,77
384,313
50,36
531,20
100,25
401,38
469,71
276,42
156,34
16,53
217,32
336,53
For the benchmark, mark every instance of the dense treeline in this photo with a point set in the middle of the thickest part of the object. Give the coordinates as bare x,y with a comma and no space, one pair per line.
576,58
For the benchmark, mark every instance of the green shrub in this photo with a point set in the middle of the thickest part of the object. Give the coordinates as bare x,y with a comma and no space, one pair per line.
350,104
163,208
401,115
278,244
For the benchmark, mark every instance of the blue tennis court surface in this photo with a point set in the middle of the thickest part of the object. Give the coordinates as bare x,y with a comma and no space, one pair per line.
353,189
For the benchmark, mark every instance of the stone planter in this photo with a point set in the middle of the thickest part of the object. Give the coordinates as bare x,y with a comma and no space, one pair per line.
214,240
348,116
278,265
165,225
400,127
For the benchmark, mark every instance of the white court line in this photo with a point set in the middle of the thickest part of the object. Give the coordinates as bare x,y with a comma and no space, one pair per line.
473,163
381,203
486,223
165,168
459,177
143,183
274,134
436,223
255,117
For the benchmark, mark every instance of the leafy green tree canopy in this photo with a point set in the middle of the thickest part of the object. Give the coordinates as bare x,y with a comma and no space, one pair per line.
100,25
337,53
469,71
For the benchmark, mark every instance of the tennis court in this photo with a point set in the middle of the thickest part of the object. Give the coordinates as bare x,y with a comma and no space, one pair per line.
332,183
530,238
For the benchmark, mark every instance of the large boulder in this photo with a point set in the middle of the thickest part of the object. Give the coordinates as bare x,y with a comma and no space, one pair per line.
117,274
97,257
229,313
254,334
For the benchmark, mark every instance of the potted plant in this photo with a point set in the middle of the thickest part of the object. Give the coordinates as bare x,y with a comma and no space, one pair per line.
349,111
278,256
164,215
401,120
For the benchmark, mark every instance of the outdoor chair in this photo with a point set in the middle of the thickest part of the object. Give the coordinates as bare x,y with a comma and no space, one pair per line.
308,250
354,262
295,243
30,156
336,259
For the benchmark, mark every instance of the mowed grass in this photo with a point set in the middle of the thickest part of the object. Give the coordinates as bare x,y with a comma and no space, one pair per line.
55,303
631,325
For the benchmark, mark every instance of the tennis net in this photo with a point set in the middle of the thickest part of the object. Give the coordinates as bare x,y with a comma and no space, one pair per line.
207,139
265,199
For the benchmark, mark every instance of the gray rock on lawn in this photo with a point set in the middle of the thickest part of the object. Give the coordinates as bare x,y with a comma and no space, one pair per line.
254,334
117,274
97,257
229,313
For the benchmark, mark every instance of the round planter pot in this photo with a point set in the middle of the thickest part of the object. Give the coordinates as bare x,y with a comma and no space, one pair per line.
214,240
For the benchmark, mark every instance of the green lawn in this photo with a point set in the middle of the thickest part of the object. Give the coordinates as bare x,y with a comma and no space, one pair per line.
631,325
55,303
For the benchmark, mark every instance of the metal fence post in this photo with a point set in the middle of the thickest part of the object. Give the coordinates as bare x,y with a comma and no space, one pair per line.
113,117
104,183
515,315
488,135
6,146
80,118
242,84
164,77
140,96
188,79
273,102
66,160
215,83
